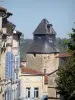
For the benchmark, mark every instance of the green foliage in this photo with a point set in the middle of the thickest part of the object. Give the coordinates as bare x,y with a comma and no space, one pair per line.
71,45
66,73
24,46
66,77
62,44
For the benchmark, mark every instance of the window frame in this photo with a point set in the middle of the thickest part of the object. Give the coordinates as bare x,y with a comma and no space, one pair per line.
36,92
28,92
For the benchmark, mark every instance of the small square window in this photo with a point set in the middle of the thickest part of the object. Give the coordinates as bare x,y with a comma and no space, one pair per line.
34,55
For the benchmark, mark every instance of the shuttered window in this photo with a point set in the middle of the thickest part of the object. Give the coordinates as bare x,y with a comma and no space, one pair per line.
8,65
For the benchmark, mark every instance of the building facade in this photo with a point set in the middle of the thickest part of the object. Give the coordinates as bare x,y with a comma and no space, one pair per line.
33,84
10,57
42,53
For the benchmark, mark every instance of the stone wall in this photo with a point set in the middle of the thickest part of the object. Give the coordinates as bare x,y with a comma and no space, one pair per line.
48,62
43,61
52,92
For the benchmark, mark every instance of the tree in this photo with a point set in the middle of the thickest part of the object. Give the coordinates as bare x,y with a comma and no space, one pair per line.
66,73
66,78
71,45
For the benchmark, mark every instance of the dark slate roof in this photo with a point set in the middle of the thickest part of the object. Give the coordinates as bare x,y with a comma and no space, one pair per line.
42,28
42,48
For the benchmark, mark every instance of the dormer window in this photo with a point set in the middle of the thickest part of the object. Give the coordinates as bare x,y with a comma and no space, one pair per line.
50,39
39,37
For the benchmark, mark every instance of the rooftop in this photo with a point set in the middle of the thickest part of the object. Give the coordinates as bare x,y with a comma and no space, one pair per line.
26,70
43,28
62,55
44,41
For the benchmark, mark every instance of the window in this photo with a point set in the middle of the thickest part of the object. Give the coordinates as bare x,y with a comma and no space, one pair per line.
28,92
34,55
50,39
36,92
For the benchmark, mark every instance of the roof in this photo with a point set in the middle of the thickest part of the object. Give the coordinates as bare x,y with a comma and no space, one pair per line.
11,24
62,55
41,47
26,70
42,28
3,9
41,44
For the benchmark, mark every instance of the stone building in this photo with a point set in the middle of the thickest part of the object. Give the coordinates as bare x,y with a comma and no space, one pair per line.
10,56
42,53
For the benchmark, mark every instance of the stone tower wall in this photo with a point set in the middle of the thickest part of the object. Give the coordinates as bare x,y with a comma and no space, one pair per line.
43,61
48,62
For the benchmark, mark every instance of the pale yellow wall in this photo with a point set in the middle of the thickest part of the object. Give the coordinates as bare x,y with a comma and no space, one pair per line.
34,82
2,68
4,29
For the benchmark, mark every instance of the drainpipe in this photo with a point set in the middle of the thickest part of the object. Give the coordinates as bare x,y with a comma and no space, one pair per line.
0,36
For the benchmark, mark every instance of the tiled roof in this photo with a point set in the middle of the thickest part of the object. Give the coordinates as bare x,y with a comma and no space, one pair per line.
25,70
3,9
29,70
61,55
42,28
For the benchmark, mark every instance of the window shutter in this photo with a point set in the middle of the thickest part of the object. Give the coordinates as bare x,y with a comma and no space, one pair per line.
17,63
24,94
10,94
32,93
18,89
7,69
8,65
13,65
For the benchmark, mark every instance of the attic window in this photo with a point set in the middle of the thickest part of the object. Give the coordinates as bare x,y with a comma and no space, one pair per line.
34,55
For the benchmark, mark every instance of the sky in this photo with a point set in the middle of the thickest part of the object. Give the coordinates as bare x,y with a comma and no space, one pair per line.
27,14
